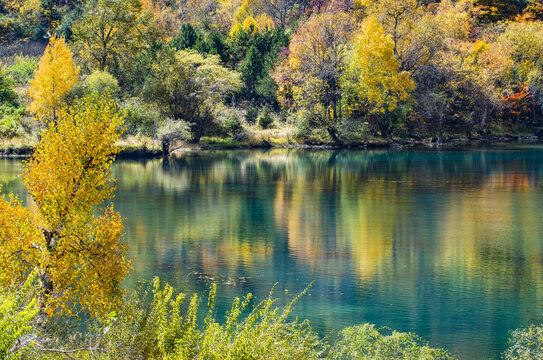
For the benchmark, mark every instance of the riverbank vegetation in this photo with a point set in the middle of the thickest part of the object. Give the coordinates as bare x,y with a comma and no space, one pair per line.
159,323
277,72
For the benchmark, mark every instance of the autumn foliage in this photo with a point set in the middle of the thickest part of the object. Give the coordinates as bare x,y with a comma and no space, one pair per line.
55,76
68,232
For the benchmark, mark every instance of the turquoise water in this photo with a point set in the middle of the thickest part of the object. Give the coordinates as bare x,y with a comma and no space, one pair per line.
447,244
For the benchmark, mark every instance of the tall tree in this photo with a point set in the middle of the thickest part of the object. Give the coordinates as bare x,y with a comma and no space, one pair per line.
310,74
55,76
111,34
188,87
373,83
419,32
69,234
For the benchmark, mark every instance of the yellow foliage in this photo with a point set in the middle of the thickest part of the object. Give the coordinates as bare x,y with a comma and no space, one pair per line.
226,13
264,22
250,25
235,30
55,76
253,25
243,11
24,7
71,237
373,80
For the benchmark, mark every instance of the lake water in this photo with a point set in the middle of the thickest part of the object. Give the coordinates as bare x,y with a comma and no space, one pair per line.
447,244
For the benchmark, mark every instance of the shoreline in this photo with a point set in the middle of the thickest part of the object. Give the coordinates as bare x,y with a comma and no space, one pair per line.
143,152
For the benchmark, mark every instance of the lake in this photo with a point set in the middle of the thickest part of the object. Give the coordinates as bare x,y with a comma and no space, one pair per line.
447,244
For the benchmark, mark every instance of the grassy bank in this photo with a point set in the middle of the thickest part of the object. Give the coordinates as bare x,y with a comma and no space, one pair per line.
148,148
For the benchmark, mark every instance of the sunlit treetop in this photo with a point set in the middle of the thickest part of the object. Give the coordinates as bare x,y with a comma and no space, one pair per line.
55,77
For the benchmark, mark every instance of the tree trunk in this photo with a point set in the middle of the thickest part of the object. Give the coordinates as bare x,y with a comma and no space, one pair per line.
333,134
165,147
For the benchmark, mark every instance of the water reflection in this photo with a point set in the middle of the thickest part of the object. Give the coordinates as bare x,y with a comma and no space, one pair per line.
446,244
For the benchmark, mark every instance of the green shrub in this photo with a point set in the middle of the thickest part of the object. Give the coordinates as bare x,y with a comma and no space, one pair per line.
364,342
10,120
304,127
141,118
7,27
164,330
265,120
22,69
526,344
251,115
16,312
101,82
233,125
171,131
7,94
351,130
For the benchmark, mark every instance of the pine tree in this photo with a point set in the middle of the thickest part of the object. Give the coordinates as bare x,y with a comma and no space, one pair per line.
251,70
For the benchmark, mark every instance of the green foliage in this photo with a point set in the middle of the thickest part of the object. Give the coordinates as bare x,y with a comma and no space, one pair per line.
7,94
7,27
526,344
265,120
186,38
251,70
16,312
367,343
10,120
168,329
251,115
22,69
218,46
186,86
141,118
233,125
102,82
171,131
110,36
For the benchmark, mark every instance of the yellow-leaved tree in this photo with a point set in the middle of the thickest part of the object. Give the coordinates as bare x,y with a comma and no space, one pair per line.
55,76
309,77
373,84
69,233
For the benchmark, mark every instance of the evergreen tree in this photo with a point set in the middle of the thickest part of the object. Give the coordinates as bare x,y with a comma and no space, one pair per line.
251,70
186,38
217,46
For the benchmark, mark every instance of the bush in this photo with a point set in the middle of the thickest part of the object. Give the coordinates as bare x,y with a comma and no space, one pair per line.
163,330
10,120
304,125
101,82
265,120
141,118
351,130
22,69
16,312
233,125
366,342
7,28
251,115
526,344
7,94
171,131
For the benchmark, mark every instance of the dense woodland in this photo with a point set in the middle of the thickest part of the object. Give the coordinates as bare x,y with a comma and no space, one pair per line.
315,71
